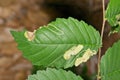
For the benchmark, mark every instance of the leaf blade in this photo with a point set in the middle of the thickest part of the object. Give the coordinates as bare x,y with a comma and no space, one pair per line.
113,15
110,63
52,41
54,74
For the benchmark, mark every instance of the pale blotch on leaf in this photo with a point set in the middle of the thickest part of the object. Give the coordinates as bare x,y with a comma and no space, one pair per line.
118,17
30,35
88,53
72,51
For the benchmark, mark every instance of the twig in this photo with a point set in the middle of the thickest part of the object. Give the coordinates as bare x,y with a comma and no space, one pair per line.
102,31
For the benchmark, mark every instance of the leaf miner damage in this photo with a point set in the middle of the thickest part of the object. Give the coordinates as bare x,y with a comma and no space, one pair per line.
72,51
88,53
30,35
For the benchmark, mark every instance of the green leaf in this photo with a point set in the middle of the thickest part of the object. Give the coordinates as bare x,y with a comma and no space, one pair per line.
110,63
53,74
113,15
59,44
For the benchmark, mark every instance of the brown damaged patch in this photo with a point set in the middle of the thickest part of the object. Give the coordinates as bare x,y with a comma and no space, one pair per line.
30,35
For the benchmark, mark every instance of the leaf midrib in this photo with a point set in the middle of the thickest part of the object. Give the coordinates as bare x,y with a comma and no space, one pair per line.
50,44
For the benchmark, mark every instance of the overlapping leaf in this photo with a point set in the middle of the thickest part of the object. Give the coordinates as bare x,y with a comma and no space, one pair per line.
51,42
53,74
113,15
110,63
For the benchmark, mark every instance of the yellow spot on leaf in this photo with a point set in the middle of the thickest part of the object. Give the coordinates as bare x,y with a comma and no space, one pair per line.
72,51
88,53
30,35
118,17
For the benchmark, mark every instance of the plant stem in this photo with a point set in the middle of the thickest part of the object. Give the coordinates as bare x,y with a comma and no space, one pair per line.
102,31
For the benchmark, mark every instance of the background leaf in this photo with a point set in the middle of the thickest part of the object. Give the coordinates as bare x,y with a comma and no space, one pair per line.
113,15
52,41
53,74
110,63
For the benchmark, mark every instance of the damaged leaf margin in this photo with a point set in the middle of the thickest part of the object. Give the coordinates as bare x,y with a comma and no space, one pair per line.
30,35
